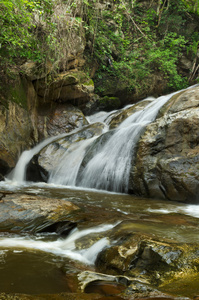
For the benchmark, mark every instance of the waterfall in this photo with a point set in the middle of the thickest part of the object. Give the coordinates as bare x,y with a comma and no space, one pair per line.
109,167
19,172
68,168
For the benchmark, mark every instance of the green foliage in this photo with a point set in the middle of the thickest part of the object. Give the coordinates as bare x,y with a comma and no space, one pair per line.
20,36
192,5
134,40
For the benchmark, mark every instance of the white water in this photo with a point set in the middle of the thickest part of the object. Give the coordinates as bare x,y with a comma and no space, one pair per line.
109,169
68,168
19,172
62,247
100,117
189,209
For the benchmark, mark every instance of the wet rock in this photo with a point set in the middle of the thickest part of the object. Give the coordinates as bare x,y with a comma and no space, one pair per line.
88,277
122,286
20,212
167,160
153,264
62,228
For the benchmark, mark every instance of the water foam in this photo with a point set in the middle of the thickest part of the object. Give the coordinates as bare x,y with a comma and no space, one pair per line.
62,247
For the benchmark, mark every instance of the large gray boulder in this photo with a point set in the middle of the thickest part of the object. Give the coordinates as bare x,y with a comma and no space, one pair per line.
167,161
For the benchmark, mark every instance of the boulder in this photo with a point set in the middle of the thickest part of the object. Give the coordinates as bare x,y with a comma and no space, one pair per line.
167,160
59,119
120,116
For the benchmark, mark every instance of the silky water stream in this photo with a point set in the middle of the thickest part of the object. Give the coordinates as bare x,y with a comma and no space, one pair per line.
45,263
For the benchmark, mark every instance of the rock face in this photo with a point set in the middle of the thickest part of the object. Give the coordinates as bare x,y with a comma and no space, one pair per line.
167,160
16,130
17,121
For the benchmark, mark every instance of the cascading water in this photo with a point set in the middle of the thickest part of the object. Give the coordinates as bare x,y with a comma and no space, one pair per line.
109,168
19,172
67,169
63,247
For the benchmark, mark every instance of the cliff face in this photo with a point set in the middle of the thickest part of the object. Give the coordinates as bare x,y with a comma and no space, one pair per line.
90,56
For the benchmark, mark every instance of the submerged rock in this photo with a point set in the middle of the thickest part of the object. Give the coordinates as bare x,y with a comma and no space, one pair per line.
148,264
61,296
167,160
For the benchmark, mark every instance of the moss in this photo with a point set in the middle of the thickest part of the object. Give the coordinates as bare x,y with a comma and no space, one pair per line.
109,102
13,88
18,94
89,82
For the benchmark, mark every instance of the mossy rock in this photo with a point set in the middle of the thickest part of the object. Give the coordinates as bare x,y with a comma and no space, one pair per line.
64,87
109,103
